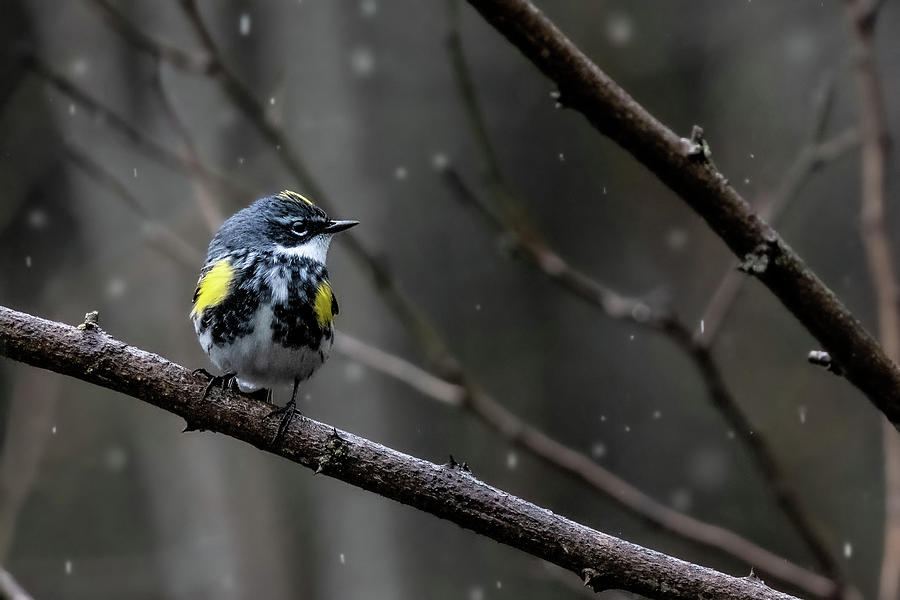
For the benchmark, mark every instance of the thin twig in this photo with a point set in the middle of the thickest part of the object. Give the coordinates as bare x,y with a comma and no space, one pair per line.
863,15
449,492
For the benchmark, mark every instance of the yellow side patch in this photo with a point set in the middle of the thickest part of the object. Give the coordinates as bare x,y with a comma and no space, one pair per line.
213,286
322,305
289,195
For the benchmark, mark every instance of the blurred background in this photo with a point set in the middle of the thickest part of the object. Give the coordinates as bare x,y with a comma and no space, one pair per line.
121,151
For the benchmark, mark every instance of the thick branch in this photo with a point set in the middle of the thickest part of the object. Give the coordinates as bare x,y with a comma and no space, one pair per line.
690,173
88,353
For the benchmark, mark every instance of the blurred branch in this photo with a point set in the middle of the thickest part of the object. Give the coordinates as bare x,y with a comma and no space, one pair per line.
876,142
162,237
209,208
400,369
684,165
450,492
9,587
183,59
142,142
525,238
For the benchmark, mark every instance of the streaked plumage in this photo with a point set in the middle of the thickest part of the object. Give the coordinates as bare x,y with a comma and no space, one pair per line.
264,309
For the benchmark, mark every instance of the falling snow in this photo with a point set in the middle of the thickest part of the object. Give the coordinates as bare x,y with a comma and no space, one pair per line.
619,29
68,567
598,450
512,460
362,61
368,8
72,109
848,549
440,161
400,173
37,219
343,559
28,261
244,24
801,413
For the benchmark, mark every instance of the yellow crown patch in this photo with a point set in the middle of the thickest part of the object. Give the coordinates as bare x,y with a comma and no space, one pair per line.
293,196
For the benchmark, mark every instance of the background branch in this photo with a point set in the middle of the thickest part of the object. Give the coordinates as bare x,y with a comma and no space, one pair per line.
863,15
448,491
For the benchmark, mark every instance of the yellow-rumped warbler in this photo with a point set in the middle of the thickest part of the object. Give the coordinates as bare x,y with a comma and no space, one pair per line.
263,308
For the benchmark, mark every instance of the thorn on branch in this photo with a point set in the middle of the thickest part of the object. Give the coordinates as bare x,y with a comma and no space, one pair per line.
592,579
823,359
91,321
458,466
696,145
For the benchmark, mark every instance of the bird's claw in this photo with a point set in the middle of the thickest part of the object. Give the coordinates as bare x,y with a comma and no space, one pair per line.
287,413
221,381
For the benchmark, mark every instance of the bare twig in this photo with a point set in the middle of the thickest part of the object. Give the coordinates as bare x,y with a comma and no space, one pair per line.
584,87
863,15
602,561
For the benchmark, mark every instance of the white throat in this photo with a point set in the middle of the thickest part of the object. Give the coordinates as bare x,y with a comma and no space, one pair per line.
316,248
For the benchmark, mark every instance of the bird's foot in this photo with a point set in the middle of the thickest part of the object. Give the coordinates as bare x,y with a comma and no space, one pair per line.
287,413
262,395
221,381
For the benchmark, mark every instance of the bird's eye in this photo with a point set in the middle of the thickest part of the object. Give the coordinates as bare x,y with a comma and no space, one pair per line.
298,229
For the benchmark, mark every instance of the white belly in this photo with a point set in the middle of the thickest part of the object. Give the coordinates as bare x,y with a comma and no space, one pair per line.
260,363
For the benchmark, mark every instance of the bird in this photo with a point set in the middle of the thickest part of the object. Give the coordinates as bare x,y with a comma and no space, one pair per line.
264,308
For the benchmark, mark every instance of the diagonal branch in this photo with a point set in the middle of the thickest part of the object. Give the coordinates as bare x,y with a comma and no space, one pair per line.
685,167
447,491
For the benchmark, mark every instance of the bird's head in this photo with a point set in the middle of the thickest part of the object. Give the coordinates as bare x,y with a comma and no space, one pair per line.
286,222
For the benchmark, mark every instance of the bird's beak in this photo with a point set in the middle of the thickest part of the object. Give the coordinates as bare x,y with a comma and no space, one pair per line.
335,226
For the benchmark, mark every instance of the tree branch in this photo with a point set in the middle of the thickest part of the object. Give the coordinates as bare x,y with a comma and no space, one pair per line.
685,167
449,491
